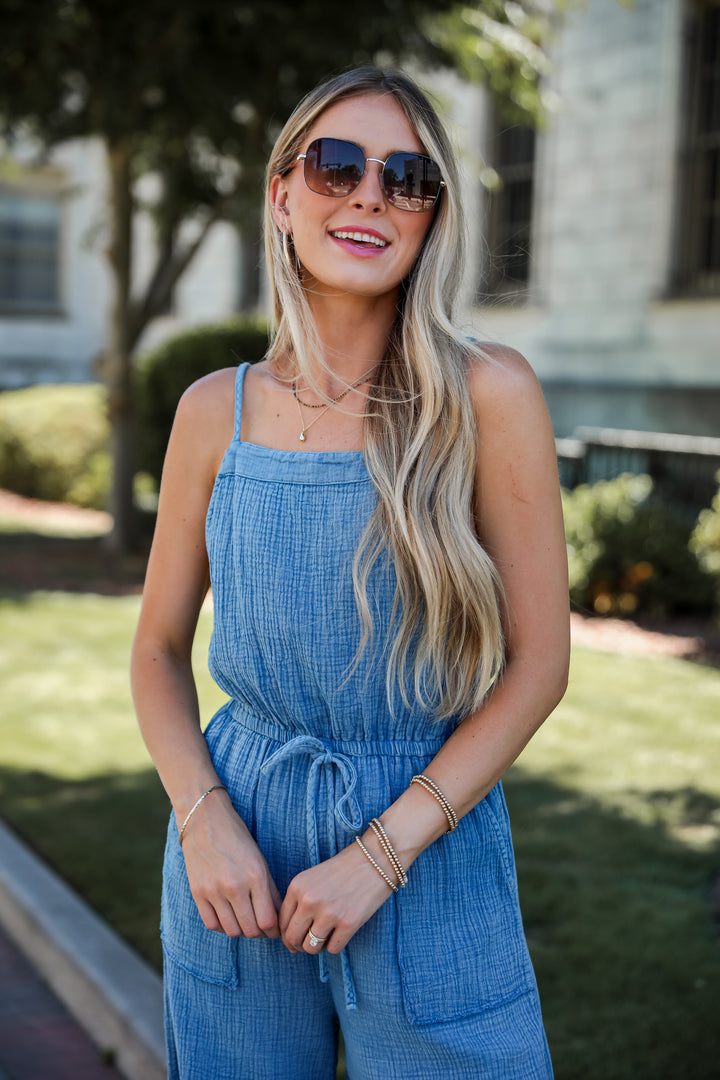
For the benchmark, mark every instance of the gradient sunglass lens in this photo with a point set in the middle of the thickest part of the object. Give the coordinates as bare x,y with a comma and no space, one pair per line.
333,167
411,181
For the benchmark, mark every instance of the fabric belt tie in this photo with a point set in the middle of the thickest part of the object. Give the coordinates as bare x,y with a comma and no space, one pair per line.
322,758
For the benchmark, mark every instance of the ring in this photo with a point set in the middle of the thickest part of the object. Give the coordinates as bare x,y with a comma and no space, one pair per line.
315,941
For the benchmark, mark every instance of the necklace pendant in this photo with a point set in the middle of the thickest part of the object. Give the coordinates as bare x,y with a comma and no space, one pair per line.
302,436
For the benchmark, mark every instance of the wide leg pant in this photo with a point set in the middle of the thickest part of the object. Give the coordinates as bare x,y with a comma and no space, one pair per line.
438,983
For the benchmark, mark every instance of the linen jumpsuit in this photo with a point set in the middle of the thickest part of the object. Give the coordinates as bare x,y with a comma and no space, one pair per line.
438,983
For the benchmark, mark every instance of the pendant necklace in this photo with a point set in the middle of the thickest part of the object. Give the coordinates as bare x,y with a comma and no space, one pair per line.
323,405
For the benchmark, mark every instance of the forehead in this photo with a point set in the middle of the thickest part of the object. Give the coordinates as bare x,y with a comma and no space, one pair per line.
375,121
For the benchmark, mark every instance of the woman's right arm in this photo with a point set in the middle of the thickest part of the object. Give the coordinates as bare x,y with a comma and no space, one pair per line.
228,875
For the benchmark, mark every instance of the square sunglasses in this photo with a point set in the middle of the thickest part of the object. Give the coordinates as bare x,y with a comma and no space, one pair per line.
334,167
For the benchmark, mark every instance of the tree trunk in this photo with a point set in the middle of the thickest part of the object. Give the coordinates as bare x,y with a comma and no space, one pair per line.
118,361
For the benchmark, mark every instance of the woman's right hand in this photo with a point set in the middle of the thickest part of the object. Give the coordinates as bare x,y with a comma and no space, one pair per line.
229,878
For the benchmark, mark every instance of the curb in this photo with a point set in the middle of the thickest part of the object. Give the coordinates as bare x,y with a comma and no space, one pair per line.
112,993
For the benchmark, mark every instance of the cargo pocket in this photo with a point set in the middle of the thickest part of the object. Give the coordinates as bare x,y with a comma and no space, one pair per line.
460,941
207,954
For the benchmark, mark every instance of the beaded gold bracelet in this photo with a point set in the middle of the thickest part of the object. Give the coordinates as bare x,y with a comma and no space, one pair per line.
377,827
431,786
379,869
215,787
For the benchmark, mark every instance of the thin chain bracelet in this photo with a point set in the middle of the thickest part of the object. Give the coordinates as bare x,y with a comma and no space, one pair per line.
434,790
379,869
215,787
377,827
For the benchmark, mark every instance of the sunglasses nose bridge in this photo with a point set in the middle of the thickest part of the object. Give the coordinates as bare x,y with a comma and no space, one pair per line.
369,172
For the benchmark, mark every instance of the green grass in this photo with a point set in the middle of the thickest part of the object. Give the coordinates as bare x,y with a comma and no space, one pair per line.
615,808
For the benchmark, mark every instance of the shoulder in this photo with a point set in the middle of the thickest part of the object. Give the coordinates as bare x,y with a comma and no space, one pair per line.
504,389
205,417
497,372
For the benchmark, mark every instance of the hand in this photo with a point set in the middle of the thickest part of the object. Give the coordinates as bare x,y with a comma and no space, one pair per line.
229,878
334,899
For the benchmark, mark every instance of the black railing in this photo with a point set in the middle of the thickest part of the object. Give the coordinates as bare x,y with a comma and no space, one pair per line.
683,467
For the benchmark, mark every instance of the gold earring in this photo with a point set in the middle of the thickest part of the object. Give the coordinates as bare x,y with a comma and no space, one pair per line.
286,249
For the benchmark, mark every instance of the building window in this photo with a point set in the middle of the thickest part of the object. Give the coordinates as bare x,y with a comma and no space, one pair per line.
697,269
511,154
29,254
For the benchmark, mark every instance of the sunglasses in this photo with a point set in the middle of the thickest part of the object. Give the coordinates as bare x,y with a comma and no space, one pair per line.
334,167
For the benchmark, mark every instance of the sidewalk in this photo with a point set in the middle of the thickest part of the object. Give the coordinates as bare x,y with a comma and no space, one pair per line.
39,1039
68,984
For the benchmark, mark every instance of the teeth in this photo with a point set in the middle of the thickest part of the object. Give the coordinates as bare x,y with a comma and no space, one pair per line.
361,237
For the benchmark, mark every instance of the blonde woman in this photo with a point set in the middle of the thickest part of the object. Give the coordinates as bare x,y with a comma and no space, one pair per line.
376,506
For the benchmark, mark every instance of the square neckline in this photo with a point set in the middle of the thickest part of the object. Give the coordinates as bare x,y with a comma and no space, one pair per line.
316,454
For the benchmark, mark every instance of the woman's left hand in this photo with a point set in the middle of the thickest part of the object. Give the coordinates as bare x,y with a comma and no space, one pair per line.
333,899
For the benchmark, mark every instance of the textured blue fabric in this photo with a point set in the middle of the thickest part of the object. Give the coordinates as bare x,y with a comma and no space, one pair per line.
438,983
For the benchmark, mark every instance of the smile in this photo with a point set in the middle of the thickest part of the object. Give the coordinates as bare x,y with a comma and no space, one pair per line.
359,238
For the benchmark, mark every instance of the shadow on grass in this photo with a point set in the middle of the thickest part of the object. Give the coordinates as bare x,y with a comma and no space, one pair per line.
30,561
616,909
618,917
105,836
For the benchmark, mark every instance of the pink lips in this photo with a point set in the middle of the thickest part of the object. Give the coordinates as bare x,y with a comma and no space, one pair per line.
359,247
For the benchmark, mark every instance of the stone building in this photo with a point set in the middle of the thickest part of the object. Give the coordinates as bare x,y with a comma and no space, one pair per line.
598,257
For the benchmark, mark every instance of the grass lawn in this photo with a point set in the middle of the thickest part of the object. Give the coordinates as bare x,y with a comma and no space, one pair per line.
615,808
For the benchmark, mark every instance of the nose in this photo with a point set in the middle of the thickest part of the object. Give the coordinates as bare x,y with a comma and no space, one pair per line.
369,193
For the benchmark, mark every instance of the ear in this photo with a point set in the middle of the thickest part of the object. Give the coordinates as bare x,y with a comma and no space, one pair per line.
279,203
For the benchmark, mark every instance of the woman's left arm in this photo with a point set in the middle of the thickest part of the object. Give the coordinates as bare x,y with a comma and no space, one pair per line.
519,521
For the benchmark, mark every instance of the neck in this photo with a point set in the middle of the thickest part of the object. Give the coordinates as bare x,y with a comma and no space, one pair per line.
354,331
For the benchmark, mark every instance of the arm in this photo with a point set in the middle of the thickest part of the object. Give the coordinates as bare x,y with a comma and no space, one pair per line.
519,520
228,876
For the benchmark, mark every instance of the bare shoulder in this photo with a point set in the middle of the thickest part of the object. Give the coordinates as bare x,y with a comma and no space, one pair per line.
497,372
205,418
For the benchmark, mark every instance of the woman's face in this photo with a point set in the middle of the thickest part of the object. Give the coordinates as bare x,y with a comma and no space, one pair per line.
336,264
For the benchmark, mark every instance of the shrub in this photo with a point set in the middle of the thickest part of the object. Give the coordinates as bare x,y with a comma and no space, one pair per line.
162,376
705,542
629,552
53,443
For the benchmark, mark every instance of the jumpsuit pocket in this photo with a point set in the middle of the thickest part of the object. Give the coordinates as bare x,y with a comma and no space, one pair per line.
206,954
461,946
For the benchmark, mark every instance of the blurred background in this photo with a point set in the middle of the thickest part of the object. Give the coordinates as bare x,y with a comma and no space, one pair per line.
133,140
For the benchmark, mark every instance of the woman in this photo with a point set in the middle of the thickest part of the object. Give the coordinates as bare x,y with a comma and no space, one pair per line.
376,505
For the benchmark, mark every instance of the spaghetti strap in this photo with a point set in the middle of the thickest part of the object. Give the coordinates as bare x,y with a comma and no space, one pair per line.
239,380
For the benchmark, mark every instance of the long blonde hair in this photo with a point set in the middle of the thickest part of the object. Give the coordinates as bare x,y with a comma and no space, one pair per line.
421,436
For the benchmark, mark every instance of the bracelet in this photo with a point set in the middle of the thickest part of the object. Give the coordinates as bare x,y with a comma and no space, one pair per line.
377,827
215,787
379,869
431,786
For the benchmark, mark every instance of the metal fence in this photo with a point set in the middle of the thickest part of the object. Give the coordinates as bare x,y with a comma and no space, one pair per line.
684,468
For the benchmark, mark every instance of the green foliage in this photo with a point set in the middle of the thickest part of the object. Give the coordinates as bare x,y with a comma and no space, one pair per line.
705,541
628,551
53,443
163,375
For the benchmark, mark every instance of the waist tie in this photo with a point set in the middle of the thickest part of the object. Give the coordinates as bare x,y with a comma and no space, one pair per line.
321,756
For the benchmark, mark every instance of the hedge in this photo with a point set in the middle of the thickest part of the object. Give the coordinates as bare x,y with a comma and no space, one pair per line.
163,375
53,443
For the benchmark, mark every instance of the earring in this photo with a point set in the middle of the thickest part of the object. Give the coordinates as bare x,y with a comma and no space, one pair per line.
292,260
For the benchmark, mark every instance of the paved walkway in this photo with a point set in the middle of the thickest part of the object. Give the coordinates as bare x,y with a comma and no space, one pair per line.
39,1039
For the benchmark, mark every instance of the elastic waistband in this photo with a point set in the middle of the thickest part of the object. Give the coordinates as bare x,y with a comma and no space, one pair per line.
270,729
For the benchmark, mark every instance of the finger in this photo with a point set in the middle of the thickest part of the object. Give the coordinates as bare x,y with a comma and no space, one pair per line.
315,940
296,933
287,911
266,915
229,924
245,917
209,916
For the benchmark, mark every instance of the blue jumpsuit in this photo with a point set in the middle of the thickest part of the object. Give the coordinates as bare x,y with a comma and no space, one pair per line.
438,984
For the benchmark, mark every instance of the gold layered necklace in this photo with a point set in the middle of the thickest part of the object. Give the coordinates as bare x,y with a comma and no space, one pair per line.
323,405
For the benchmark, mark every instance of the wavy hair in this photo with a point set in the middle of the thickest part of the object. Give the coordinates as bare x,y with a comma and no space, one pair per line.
420,436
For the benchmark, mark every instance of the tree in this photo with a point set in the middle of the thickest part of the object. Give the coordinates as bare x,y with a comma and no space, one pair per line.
194,92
